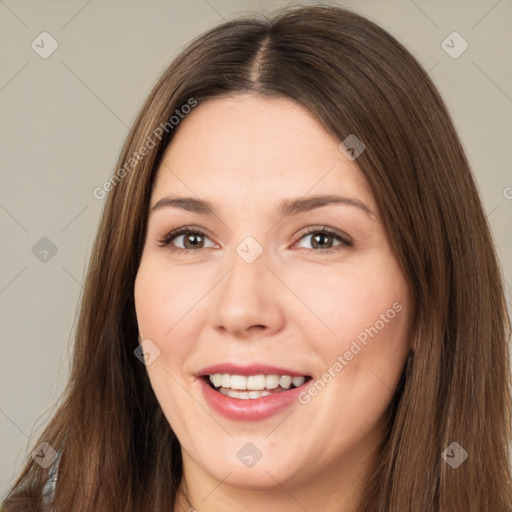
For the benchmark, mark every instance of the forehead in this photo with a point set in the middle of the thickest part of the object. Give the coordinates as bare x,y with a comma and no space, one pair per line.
246,146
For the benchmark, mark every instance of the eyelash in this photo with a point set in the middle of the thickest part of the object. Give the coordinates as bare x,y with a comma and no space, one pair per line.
345,242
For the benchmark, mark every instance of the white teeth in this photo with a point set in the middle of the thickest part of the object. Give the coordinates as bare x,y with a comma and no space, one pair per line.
271,381
257,394
240,383
256,382
298,381
285,381
216,380
244,395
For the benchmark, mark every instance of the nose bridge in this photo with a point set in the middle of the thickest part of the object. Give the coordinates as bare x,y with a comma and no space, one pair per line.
246,297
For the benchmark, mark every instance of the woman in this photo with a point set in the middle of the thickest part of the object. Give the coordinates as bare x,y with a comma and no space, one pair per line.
224,359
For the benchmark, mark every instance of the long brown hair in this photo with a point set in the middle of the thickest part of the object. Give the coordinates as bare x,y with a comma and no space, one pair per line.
118,452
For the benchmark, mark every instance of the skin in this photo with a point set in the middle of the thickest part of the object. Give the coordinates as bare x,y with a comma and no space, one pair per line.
298,305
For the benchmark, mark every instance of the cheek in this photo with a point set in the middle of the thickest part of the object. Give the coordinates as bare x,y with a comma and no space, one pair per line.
341,304
363,359
359,332
164,296
162,301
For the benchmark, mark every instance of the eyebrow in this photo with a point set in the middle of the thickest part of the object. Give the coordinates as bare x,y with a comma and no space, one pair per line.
286,208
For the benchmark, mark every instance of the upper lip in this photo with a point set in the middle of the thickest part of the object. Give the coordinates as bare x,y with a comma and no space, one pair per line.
249,369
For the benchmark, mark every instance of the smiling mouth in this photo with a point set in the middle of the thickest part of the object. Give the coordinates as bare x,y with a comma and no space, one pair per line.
251,387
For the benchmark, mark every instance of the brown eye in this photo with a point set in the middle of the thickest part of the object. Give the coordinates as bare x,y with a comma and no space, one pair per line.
325,240
321,240
185,239
193,241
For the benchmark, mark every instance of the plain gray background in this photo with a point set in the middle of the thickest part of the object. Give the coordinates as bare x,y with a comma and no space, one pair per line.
65,117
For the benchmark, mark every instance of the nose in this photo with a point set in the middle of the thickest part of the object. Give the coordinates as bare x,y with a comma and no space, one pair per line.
247,300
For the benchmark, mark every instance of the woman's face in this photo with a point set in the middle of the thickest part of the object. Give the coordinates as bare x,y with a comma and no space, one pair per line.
254,290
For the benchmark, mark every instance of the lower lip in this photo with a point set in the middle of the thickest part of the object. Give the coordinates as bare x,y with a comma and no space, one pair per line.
252,409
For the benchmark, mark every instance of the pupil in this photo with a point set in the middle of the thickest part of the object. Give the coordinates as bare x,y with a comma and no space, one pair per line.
321,237
192,237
